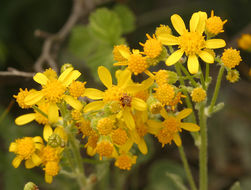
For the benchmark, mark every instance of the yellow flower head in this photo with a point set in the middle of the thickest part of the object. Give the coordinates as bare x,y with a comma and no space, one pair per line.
51,169
161,77
165,94
77,88
192,42
233,76
119,51
176,100
49,154
172,125
152,47
214,25
53,91
20,98
105,126
125,161
163,29
119,136
105,148
85,127
231,58
76,115
198,95
136,62
26,149
50,74
245,42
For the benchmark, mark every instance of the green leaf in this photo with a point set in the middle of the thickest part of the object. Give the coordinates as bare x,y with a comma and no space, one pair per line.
81,43
159,175
126,17
236,186
105,25
177,181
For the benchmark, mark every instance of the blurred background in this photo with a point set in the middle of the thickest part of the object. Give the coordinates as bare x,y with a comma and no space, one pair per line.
125,21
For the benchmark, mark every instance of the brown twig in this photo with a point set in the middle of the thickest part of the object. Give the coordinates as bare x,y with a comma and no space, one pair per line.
14,72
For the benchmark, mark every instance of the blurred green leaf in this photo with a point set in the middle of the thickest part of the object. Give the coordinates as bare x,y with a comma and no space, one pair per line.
177,181
126,17
105,25
81,44
236,186
158,178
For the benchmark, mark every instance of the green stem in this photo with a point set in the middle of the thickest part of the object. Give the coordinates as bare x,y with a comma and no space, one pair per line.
202,80
203,148
207,74
187,168
40,111
193,82
216,89
188,103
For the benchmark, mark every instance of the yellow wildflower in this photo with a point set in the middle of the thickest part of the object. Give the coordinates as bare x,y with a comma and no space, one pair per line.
77,88
27,149
50,74
117,52
105,126
191,43
245,42
125,161
214,25
165,94
231,58
119,136
105,148
198,95
170,128
20,98
51,169
152,47
124,93
53,91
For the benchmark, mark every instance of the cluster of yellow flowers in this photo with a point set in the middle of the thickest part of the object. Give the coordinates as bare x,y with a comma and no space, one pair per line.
113,120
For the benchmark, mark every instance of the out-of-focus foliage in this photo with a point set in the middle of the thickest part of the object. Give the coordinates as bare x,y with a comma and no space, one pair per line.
93,43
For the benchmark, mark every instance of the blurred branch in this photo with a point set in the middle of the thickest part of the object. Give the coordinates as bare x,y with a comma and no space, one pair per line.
14,72
52,41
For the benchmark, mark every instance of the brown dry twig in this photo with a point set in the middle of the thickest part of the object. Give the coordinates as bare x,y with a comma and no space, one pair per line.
14,72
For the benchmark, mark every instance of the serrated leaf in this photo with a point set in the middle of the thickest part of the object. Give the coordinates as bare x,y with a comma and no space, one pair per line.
126,17
81,44
236,186
105,25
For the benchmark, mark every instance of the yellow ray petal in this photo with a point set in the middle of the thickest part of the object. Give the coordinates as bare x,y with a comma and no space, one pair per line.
163,113
154,126
16,161
215,43
138,104
13,147
41,78
48,178
93,106
37,139
168,39
124,53
177,139
128,119
64,75
53,114
105,76
142,146
123,77
194,22
193,64
72,76
184,113
202,22
178,24
206,56
47,132
24,119
61,132
36,159
76,104
29,164
174,57
190,127
33,97
93,93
